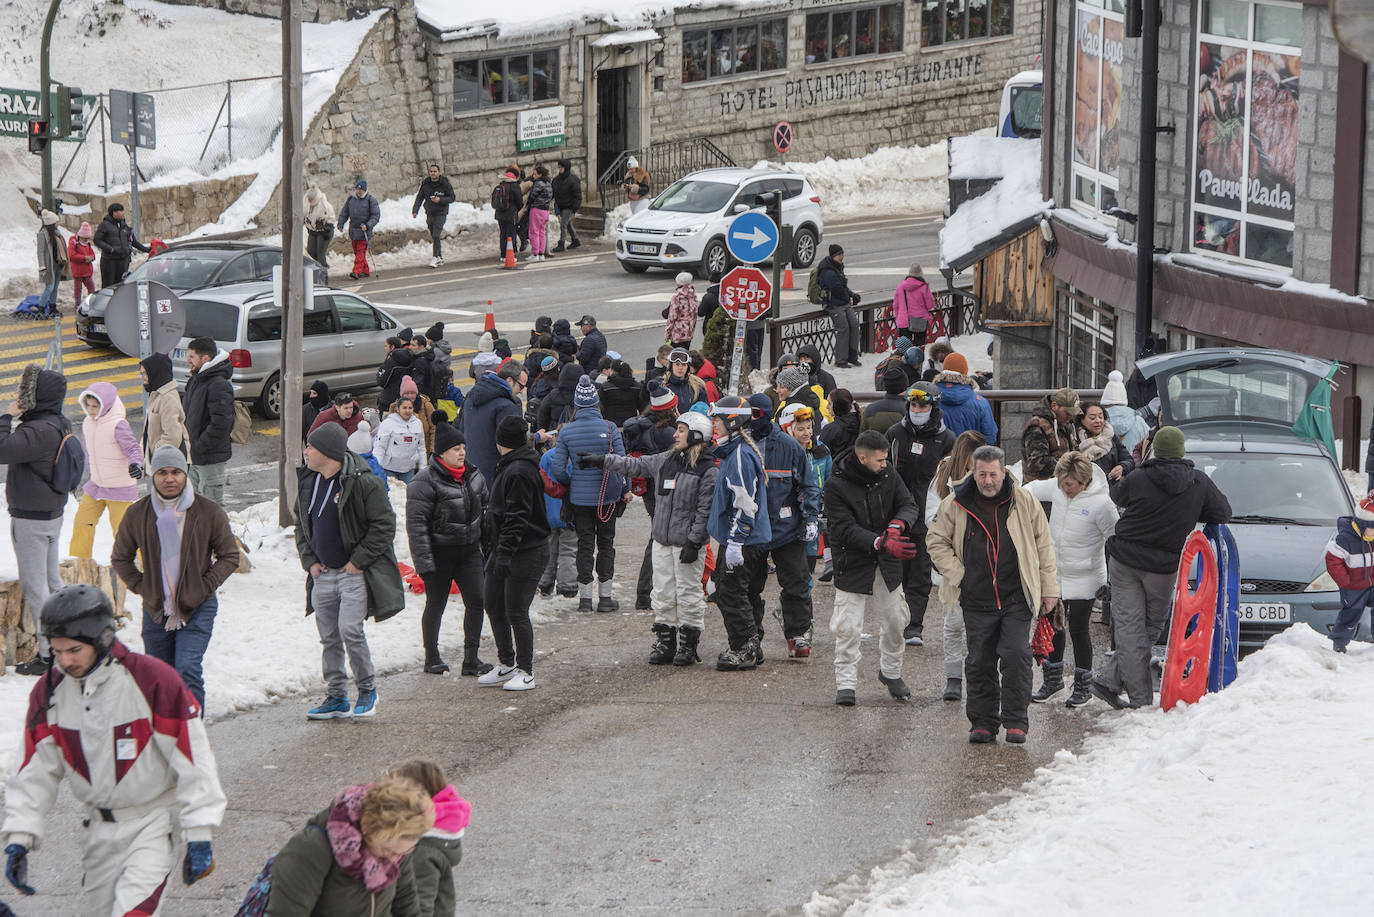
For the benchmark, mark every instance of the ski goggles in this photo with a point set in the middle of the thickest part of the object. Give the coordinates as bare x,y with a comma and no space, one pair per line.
920,396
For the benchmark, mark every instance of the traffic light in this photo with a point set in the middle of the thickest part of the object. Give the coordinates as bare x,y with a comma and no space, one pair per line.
68,112
38,136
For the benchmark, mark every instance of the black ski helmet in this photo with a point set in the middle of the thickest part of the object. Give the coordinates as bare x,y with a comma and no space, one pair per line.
79,612
734,412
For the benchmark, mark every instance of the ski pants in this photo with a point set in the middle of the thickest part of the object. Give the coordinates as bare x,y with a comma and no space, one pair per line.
1078,612
732,598
846,325
126,863
1353,605
677,598
997,672
794,581
847,624
561,568
956,644
88,513
360,258
1141,602
916,581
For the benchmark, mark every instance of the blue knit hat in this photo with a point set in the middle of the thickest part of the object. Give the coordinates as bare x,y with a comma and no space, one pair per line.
585,395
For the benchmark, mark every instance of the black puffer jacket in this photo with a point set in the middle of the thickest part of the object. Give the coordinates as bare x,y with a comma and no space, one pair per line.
839,435
116,239
619,398
559,401
567,187
30,449
515,519
398,365
1160,503
209,407
859,504
916,451
442,514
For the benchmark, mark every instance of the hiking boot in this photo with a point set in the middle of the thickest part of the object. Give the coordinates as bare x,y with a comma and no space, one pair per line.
736,660
606,603
954,689
1016,736
434,665
687,638
981,736
475,666
1103,693
577,244
366,705
1080,695
584,604
912,636
665,645
756,648
558,248
335,708
1052,682
1337,645
895,686
844,697
798,648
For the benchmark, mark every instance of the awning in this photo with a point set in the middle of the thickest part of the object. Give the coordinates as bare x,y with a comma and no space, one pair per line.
624,39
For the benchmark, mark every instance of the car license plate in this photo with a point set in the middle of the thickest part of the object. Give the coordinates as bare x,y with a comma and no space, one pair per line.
1266,612
98,327
640,249
179,353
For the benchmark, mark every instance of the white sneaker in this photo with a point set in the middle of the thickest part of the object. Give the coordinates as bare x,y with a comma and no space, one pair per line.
498,675
520,681
435,262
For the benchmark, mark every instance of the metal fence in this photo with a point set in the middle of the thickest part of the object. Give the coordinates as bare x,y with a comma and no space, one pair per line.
956,312
201,129
665,162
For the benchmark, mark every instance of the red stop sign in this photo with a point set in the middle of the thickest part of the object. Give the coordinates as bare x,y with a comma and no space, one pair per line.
745,293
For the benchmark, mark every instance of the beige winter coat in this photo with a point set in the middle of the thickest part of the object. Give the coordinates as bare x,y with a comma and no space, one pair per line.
166,424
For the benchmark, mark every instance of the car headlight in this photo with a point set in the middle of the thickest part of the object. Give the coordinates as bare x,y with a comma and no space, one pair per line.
689,230
85,306
1323,583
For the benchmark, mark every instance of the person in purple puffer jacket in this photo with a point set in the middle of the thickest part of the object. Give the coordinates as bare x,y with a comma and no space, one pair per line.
115,461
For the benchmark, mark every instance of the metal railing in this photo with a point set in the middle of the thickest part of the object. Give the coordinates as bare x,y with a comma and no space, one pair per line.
665,162
957,311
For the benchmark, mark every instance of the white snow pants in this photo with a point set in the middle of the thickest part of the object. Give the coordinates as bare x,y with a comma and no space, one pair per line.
127,864
677,597
956,641
847,624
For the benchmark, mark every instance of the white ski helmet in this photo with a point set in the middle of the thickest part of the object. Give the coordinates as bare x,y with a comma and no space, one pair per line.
698,427
794,412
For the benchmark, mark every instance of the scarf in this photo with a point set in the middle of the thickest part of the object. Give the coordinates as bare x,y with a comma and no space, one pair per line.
456,472
1094,447
346,841
170,521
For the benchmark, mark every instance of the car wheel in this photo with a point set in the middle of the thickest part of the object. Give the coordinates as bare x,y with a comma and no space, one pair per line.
634,268
803,248
715,258
269,402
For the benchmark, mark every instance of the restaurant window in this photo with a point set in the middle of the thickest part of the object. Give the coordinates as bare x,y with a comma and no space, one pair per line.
756,47
857,32
1249,58
517,79
944,21
1098,51
1084,339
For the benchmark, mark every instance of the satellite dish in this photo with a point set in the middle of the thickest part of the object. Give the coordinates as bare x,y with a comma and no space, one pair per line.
1353,23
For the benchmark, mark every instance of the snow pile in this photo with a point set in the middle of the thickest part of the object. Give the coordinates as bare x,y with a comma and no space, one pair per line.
910,179
456,18
1014,199
1249,802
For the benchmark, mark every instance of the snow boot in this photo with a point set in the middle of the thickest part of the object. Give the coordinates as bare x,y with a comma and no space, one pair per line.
584,596
434,664
954,689
546,589
756,648
911,636
473,665
665,645
844,697
896,687
687,638
1051,682
1105,694
604,601
1081,695
735,660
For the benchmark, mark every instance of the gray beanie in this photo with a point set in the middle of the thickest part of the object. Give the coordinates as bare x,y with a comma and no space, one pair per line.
330,440
167,457
585,395
792,379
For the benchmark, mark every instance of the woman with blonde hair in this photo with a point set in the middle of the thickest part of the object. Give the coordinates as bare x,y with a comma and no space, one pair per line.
353,858
319,224
953,469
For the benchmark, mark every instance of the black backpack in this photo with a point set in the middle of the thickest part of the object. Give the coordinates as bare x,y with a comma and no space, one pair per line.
69,465
500,198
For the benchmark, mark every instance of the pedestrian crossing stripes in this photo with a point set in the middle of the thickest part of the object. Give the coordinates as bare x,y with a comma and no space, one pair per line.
22,344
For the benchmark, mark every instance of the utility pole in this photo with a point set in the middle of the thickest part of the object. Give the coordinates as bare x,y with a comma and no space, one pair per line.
293,260
45,102
1145,222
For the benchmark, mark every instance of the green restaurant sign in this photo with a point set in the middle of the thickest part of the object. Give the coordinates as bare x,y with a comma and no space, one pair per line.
20,106
540,128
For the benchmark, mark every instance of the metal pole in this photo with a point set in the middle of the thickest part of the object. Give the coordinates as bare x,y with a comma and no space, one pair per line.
133,185
293,256
104,163
229,105
1145,222
45,103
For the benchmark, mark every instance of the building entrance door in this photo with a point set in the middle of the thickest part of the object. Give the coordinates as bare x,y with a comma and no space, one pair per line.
616,115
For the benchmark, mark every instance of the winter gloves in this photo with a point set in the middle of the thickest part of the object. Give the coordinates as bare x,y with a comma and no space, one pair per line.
17,868
199,862
893,542
689,553
500,566
734,555
591,459
135,470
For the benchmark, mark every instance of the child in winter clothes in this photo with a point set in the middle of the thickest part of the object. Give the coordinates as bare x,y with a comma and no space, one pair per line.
81,258
798,420
441,848
360,444
1350,561
1129,425
115,462
682,312
400,443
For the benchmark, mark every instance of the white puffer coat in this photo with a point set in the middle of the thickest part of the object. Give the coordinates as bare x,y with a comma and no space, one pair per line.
1079,529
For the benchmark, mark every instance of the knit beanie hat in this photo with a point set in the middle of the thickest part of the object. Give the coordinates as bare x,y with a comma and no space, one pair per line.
446,436
913,356
792,378
330,440
661,398
49,218
435,332
916,271
894,380
406,335
85,231
901,345
360,440
683,278
167,457
956,363
1114,392
451,811
760,426
511,431
1364,510
585,395
408,387
1168,443
836,250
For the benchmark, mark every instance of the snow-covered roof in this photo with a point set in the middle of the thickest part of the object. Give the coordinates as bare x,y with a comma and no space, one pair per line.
1012,204
630,37
462,18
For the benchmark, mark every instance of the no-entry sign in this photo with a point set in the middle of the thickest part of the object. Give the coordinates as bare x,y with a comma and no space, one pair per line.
782,137
745,293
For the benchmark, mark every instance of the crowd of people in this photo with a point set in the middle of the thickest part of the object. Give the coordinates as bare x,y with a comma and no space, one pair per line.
61,257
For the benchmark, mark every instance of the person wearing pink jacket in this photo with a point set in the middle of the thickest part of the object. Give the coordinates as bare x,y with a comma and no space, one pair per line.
913,306
115,461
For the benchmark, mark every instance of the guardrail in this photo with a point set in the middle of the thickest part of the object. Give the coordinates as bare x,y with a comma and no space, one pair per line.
997,397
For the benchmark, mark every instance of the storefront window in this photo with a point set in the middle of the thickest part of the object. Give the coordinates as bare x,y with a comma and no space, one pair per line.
1097,104
853,33
944,21
731,50
1084,339
518,79
1245,158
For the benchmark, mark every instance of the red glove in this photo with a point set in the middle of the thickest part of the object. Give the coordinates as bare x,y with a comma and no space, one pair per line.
893,543
1042,641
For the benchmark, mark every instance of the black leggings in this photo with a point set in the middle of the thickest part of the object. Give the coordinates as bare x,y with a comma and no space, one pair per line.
1078,612
508,606
461,565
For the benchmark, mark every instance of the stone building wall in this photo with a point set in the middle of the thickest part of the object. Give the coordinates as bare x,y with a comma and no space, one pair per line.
164,211
311,10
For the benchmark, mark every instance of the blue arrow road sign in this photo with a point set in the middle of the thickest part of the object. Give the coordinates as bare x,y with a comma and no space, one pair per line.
752,238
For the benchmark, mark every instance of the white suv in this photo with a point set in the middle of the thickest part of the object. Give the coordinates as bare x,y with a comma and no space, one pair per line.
685,225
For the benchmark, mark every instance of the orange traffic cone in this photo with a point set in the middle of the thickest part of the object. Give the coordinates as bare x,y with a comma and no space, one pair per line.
787,279
510,255
490,323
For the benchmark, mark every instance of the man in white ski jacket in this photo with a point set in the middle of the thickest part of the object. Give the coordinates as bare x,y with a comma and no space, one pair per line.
126,732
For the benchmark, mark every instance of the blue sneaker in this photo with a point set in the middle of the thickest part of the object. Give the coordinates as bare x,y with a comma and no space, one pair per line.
367,704
332,709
